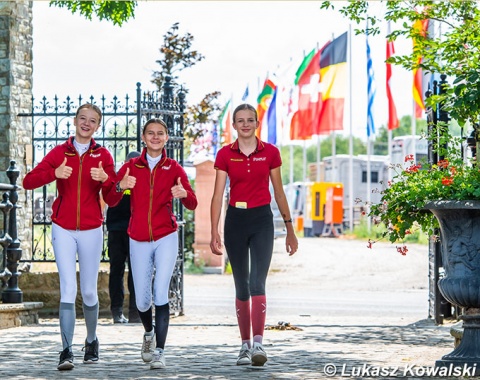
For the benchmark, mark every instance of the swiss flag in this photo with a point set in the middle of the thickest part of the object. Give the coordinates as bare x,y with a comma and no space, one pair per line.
309,101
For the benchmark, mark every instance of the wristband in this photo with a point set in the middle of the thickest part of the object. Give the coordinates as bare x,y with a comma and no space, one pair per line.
118,188
288,221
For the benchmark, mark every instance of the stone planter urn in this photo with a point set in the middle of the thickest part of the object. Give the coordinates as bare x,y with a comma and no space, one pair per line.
460,241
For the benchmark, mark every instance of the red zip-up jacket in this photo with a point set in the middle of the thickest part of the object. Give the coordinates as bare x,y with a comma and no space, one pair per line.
77,206
152,216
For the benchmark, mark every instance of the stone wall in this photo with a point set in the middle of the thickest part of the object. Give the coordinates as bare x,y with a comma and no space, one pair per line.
45,287
16,97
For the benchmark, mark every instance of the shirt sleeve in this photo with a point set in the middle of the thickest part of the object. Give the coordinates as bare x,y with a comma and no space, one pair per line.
220,162
276,158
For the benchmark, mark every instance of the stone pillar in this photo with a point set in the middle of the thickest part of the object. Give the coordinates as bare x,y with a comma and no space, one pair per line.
204,184
15,98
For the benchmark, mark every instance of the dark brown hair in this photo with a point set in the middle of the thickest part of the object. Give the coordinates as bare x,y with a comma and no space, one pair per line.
155,120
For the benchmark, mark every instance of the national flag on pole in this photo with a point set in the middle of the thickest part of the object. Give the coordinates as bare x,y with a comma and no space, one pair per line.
301,69
264,100
371,90
245,95
392,110
272,119
309,100
333,84
420,27
225,122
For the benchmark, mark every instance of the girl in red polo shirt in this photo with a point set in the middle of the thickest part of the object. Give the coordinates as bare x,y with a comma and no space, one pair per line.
250,165
154,180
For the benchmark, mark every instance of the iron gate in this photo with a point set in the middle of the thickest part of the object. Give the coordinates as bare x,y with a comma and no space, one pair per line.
120,133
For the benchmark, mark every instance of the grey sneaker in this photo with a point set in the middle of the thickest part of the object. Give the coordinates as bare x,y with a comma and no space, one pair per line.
119,318
259,356
244,357
147,347
158,359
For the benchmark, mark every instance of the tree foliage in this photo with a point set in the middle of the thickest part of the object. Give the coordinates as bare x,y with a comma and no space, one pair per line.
455,53
341,147
117,12
176,55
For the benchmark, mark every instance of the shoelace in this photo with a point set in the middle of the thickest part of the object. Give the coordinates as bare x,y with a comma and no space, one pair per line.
63,352
147,344
89,348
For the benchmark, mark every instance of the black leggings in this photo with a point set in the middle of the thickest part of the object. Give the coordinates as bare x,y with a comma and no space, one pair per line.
249,231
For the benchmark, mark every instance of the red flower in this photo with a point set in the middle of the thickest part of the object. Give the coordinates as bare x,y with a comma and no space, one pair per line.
413,168
453,170
442,163
409,157
447,181
402,250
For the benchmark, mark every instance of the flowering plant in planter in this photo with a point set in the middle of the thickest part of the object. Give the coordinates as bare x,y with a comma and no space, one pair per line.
401,208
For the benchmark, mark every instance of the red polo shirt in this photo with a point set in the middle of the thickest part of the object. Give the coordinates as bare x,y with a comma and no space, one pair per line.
249,176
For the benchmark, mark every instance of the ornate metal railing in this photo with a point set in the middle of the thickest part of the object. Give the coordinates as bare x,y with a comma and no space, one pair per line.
120,133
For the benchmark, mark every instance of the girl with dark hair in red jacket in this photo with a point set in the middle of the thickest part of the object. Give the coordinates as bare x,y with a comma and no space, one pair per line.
154,180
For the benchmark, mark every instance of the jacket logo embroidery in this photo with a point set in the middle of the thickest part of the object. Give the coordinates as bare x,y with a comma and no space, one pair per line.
166,167
236,159
94,155
259,158
139,166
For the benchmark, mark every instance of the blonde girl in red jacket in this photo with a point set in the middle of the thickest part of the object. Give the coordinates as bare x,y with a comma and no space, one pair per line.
81,169
154,180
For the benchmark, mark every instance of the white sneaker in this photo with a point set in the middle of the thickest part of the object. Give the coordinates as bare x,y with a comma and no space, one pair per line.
158,359
147,347
259,356
244,357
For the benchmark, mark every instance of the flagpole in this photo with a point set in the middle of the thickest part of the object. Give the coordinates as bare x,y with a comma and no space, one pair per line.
318,158
291,163
390,172
305,160
369,184
414,128
350,140
334,153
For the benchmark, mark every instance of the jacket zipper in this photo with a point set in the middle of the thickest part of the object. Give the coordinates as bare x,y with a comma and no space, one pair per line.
79,186
150,207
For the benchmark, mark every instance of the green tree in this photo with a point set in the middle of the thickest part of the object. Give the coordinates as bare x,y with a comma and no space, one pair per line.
455,53
342,144
199,116
380,145
117,12
176,54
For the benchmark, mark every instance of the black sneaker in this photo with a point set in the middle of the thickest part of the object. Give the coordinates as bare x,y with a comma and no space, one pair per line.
66,360
91,352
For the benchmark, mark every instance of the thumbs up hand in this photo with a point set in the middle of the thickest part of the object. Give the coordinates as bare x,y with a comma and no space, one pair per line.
178,191
98,174
127,182
63,171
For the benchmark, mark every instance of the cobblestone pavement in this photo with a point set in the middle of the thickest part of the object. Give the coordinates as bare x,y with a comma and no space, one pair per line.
204,343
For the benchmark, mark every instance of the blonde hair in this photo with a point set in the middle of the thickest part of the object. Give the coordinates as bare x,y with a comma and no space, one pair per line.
92,107
245,107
